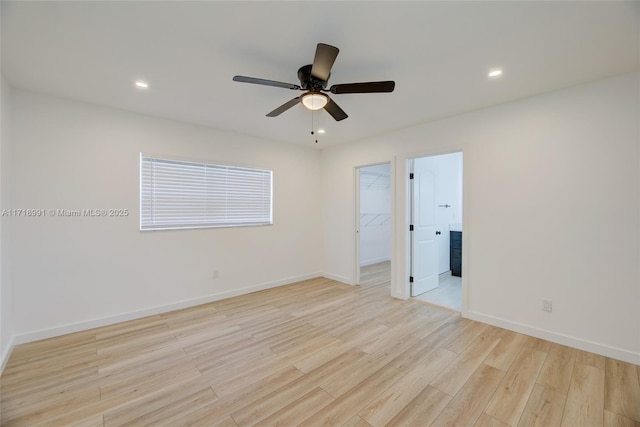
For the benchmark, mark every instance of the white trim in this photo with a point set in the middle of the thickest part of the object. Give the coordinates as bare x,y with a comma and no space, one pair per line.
110,320
590,346
356,190
337,278
4,358
374,261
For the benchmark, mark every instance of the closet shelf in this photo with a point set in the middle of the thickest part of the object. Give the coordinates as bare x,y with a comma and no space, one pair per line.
374,219
371,180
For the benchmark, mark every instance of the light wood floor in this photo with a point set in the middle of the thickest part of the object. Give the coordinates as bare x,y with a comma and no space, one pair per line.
313,353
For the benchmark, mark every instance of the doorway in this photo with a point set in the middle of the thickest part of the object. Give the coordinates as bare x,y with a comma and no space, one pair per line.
436,229
374,225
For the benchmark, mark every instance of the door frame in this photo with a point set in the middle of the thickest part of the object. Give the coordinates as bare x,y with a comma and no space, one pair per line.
356,180
400,287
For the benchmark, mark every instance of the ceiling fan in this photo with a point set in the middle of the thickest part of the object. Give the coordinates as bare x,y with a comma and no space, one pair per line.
313,80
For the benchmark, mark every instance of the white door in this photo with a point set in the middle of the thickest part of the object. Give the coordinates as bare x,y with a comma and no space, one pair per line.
424,248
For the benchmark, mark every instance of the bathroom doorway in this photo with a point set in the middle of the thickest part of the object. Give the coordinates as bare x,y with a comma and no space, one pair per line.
436,229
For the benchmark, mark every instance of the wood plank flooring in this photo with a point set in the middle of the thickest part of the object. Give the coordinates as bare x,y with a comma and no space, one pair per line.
313,353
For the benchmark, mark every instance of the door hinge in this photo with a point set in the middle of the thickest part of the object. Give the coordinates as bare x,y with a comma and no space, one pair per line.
410,279
411,227
411,175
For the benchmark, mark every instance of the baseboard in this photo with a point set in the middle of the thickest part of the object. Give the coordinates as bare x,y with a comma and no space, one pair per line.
447,274
110,320
6,354
374,261
590,346
337,278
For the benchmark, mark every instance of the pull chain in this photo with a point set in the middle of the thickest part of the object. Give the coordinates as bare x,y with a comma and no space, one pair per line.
312,126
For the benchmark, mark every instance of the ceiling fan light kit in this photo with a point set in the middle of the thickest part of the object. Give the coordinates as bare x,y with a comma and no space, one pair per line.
314,79
314,101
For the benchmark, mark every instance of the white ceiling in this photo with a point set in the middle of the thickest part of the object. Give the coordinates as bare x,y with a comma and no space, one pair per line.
438,53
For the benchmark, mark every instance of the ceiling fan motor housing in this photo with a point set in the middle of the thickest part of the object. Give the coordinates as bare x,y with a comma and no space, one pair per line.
308,82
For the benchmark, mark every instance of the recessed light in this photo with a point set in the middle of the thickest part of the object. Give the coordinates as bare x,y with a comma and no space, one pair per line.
142,85
321,131
497,72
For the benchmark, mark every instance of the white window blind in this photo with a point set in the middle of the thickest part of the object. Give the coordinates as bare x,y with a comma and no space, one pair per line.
178,194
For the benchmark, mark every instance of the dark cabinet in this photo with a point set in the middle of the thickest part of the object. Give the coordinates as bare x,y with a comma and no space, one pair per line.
455,253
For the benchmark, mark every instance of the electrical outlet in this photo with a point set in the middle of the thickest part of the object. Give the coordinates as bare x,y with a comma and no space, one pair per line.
547,305
215,274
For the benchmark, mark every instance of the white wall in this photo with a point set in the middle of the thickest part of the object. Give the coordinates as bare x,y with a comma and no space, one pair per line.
6,306
375,214
71,273
551,210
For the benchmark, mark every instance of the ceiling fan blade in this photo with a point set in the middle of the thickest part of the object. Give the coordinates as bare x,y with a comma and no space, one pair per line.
264,82
284,107
335,111
368,87
323,61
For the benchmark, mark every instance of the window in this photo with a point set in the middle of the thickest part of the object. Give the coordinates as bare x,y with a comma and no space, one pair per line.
179,194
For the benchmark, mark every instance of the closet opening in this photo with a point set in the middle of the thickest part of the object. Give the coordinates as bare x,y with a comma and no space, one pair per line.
374,226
